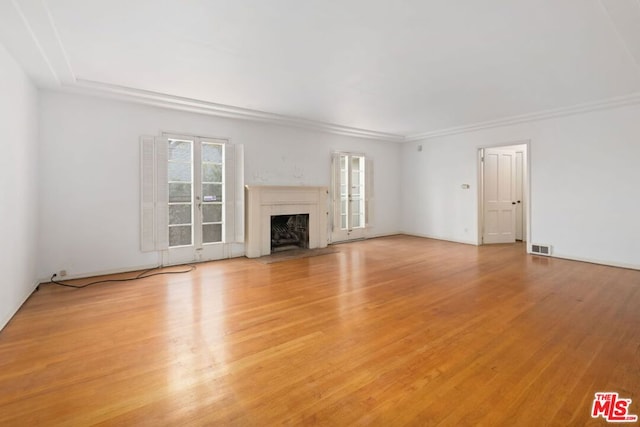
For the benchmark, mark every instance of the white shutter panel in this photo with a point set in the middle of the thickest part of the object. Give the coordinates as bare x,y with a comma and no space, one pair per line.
239,193
162,194
335,191
368,192
147,193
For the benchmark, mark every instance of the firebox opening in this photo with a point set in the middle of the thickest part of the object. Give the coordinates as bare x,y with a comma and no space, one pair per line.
289,232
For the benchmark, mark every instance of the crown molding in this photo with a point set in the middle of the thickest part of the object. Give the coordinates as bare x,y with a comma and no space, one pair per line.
624,17
162,100
606,104
39,46
220,110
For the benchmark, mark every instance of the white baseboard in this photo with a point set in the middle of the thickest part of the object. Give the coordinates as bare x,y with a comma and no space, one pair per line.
595,261
101,273
447,239
235,251
368,236
4,322
375,235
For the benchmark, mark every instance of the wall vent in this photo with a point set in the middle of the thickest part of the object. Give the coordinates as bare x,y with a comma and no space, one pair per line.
541,249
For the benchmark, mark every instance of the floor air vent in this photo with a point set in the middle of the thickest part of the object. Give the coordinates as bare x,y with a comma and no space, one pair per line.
541,250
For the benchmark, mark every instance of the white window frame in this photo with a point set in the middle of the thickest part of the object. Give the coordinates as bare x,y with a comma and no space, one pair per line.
338,233
154,199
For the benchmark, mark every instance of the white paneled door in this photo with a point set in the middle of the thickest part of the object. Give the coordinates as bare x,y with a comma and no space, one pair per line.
520,176
500,198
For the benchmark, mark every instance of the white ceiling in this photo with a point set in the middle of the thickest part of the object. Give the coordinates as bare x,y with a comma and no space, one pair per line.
379,68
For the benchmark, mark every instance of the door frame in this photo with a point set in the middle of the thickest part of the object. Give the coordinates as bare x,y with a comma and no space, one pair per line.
336,233
199,251
526,188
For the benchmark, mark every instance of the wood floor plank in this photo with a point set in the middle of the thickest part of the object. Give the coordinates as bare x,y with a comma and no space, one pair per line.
390,331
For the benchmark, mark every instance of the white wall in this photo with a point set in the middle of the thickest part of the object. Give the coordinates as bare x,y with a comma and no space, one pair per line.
585,173
18,186
90,174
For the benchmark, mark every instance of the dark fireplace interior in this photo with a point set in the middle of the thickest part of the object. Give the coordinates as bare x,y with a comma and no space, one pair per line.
289,232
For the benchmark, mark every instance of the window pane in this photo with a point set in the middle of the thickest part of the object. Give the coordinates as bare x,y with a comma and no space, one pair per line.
212,153
356,163
355,207
211,173
179,193
180,235
180,214
355,221
212,233
343,221
180,150
355,179
179,172
212,192
211,212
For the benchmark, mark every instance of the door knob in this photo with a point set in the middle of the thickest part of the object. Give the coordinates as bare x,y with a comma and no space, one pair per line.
513,203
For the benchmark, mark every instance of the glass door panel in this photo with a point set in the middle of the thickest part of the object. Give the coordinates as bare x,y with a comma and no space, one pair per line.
196,199
352,197
212,192
180,173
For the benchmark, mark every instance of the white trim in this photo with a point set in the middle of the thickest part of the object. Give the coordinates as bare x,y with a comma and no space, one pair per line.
102,273
63,69
605,104
446,239
624,28
526,190
589,260
377,235
39,24
337,234
36,41
220,110
4,322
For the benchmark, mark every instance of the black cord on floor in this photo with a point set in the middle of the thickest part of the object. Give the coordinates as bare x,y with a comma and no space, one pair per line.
142,275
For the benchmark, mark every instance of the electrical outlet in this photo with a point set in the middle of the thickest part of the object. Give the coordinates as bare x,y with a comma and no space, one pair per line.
62,273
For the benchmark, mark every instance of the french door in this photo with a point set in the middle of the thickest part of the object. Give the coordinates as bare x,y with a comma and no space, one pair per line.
349,197
196,199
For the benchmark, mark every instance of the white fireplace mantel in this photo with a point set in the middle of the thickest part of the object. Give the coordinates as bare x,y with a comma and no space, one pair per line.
264,201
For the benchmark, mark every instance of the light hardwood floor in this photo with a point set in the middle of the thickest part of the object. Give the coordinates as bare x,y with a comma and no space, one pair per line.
391,331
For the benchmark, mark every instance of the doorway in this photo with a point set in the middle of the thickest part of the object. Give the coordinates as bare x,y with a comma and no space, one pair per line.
196,190
503,202
351,174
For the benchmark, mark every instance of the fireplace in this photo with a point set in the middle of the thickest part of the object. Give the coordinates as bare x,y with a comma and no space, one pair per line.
289,232
265,202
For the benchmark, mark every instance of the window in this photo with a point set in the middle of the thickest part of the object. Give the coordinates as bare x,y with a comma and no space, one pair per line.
351,193
180,173
196,170
192,197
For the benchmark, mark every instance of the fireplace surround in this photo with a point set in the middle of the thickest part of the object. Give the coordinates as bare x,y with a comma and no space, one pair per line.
265,201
